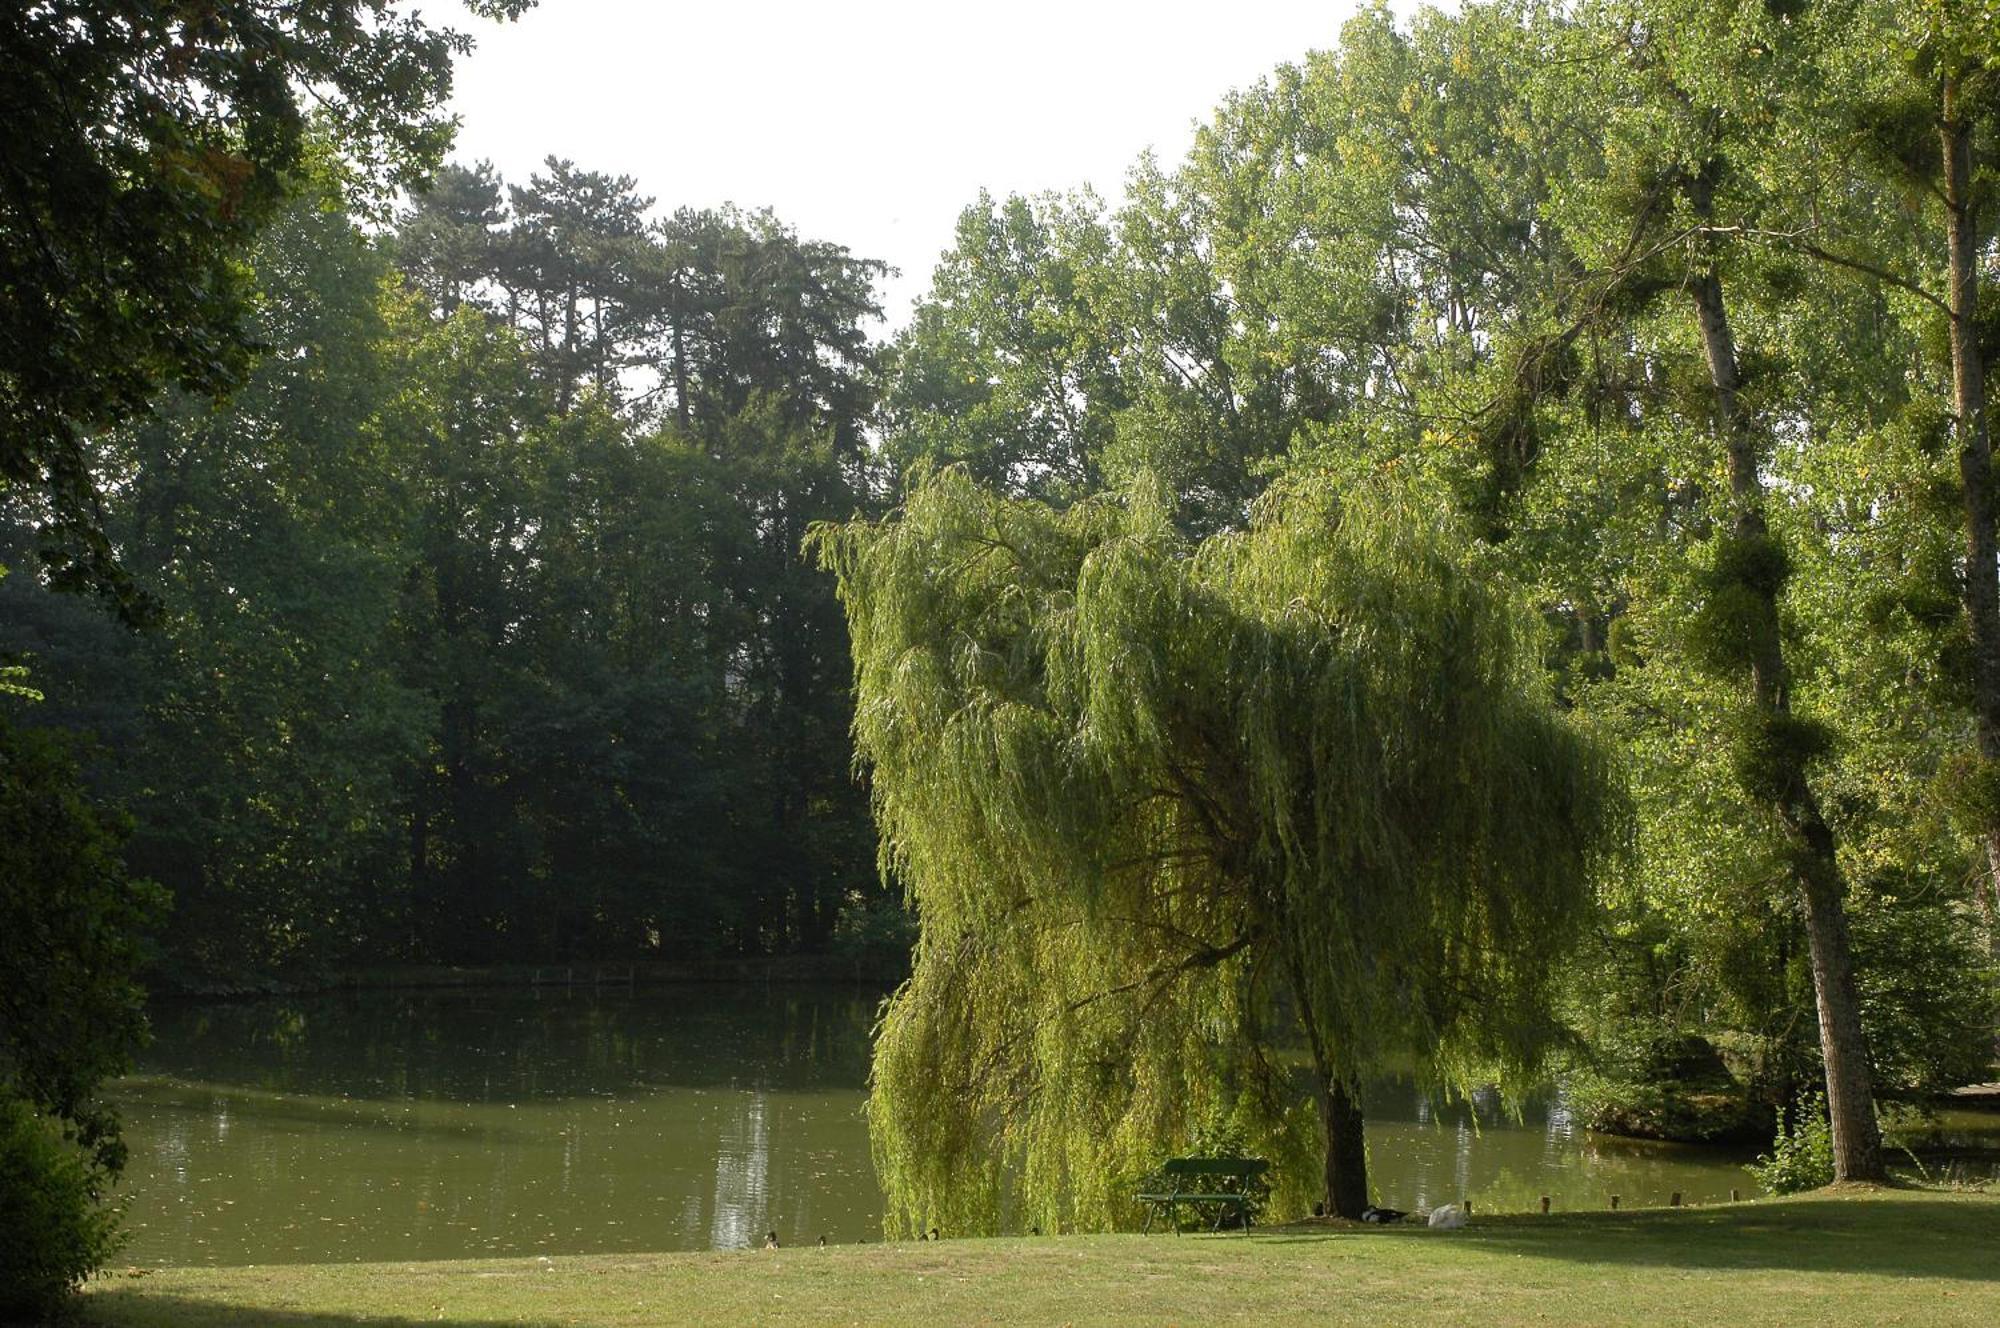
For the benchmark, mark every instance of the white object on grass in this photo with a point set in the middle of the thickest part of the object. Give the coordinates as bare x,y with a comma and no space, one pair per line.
1448,1218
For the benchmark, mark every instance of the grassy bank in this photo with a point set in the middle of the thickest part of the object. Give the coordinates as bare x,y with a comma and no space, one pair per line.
1884,1257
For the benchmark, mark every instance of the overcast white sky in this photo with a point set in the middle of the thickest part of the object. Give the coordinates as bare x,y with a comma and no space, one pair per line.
870,122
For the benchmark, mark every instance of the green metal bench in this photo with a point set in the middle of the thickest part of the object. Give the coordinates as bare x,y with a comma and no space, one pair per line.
1224,1185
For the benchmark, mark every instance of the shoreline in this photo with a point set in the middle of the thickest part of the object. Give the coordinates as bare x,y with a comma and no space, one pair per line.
800,970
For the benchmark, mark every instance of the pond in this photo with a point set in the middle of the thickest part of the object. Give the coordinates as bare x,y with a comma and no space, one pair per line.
456,1124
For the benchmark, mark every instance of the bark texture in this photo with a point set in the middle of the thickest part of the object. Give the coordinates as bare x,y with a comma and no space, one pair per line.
1346,1152
1340,1115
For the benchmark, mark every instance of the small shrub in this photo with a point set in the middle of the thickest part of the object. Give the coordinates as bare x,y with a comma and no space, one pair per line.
1801,1157
53,1229
1682,1112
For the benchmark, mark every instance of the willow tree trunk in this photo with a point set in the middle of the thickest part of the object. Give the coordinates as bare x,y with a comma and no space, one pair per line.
1346,1151
1975,455
1857,1140
1340,1119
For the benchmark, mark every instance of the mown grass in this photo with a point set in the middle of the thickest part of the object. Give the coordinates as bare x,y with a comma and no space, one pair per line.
1867,1257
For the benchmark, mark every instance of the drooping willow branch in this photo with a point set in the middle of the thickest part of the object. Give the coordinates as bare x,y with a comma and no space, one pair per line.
1129,779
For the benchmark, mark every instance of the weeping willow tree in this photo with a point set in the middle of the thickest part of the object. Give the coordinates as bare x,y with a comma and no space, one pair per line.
1197,835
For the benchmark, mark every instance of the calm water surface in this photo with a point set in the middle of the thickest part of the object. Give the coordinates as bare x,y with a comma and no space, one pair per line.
430,1125
451,1125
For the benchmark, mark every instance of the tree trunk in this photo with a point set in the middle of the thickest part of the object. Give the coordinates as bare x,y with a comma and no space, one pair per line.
1850,1105
1975,451
572,356
602,372
418,887
1339,1115
1857,1140
1346,1151
682,410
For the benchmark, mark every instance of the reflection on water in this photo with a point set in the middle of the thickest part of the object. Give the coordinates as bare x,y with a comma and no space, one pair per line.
457,1124
440,1125
742,1170
1422,1153
1950,1146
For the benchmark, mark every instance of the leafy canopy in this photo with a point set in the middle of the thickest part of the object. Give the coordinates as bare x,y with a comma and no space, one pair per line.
142,147
1150,795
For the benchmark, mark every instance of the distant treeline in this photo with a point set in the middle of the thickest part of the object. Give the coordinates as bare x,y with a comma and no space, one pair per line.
481,628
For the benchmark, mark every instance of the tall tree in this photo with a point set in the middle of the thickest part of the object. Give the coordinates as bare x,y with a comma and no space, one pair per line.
1147,795
1671,118
75,925
1471,247
1961,47
1891,175
446,245
254,732
539,570
143,146
568,262
1010,364
72,927
753,310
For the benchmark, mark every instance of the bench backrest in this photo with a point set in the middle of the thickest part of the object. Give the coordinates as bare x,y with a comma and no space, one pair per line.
1245,1167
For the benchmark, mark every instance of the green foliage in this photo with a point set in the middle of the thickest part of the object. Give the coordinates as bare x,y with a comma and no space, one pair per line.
1967,784
52,1225
690,320
1009,365
1654,1106
1735,626
72,937
72,931
877,932
1147,795
1675,1039
1930,993
1801,1157
1756,561
14,683
1770,752
448,668
148,148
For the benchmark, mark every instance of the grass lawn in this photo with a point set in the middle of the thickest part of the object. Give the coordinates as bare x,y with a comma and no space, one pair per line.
1864,1257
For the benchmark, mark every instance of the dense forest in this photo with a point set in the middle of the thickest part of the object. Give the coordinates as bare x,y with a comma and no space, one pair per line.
477,620
480,628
